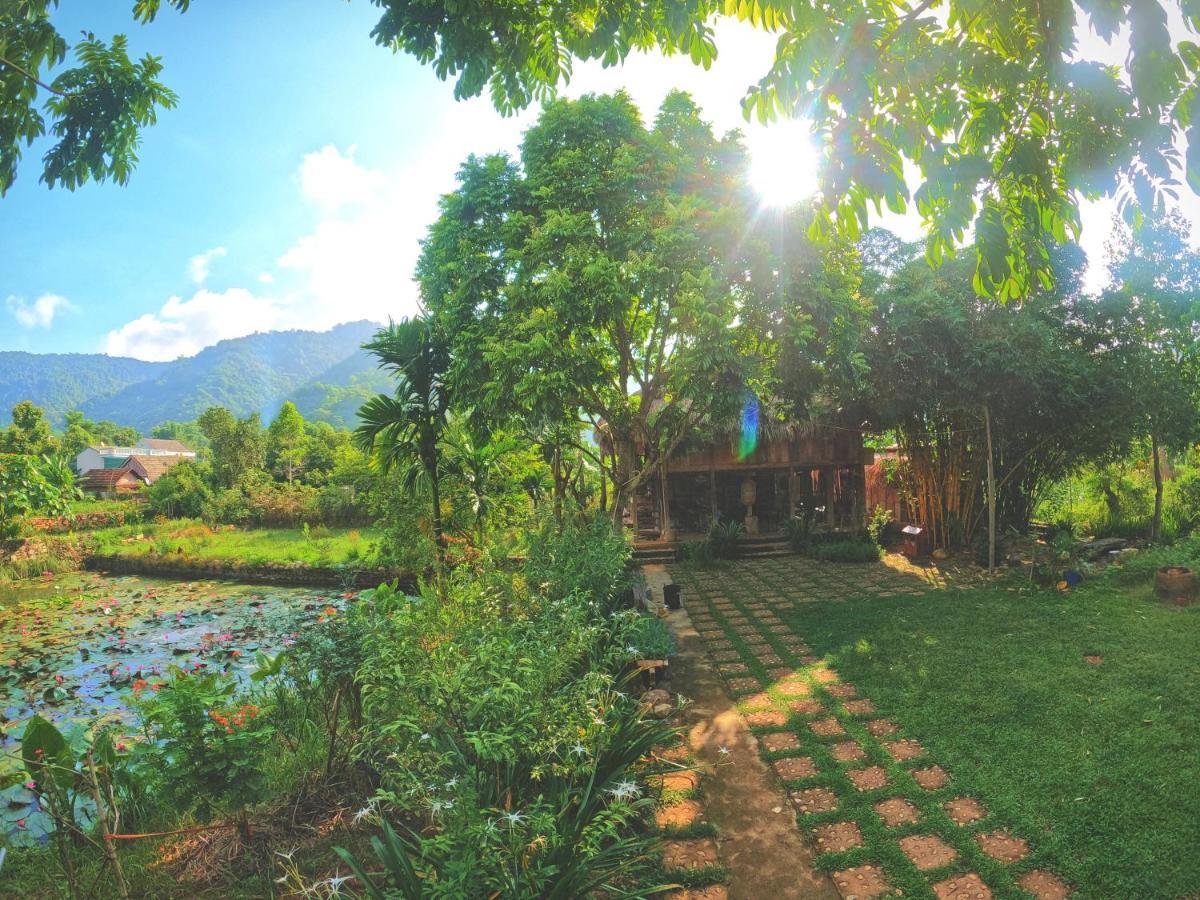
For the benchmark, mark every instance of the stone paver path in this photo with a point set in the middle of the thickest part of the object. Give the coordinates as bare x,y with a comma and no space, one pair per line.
882,814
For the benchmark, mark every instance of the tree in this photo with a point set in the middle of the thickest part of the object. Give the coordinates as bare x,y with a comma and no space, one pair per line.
287,442
986,101
81,432
33,484
1155,321
403,431
237,445
95,110
945,364
29,432
181,491
591,281
478,461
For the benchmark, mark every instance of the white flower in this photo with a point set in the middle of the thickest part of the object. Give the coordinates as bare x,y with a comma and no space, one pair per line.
624,790
631,649
336,881
362,814
425,736
450,785
514,818
724,751
579,750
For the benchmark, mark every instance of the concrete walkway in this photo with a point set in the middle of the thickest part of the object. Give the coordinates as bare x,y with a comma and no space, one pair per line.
760,843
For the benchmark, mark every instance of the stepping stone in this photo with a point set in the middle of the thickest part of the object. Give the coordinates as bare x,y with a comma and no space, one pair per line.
743,685
809,660
859,707
872,778
827,727
806,707
927,851
727,656
931,778
770,659
1044,885
766,718
963,887
779,673
826,676
795,767
862,882
757,701
880,727
793,687
721,644
904,749
679,815
1002,846
779,741
694,853
841,691
732,668
964,810
896,811
683,780
815,800
848,751
837,837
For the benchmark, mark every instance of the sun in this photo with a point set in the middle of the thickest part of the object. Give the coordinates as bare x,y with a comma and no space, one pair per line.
783,162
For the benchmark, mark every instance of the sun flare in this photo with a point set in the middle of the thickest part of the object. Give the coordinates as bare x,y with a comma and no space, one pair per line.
783,162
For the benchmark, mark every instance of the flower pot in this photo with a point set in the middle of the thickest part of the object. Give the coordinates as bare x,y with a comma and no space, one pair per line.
1176,583
671,596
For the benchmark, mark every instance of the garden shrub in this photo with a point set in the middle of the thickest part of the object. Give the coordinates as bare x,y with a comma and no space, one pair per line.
697,553
724,538
494,719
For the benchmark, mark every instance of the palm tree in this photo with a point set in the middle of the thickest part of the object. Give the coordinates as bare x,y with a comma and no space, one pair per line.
479,461
403,431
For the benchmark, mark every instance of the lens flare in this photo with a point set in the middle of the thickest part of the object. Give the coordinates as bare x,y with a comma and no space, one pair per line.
749,438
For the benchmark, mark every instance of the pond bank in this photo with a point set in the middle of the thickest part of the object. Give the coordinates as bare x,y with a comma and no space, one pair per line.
284,574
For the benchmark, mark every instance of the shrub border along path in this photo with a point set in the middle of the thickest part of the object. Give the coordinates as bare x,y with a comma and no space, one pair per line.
885,817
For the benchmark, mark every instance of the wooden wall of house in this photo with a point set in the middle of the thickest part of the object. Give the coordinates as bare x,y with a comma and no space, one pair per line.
823,448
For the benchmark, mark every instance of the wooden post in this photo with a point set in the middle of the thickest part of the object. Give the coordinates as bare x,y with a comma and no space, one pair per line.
712,494
827,475
991,493
667,531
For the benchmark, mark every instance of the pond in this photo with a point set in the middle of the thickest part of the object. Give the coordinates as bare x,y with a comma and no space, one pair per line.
80,647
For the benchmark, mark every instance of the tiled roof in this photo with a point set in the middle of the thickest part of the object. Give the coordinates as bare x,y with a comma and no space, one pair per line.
104,479
150,468
164,444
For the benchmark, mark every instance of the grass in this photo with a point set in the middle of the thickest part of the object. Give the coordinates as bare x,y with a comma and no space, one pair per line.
317,547
1094,765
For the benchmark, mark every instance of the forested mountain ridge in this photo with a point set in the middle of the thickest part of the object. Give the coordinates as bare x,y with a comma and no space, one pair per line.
323,371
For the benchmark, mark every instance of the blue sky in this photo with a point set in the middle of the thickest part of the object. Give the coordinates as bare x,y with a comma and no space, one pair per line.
293,182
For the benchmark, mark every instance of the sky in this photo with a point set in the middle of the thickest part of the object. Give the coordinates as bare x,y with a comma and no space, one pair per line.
291,186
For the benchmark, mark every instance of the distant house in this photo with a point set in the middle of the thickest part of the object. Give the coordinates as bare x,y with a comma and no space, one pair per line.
107,457
150,468
111,482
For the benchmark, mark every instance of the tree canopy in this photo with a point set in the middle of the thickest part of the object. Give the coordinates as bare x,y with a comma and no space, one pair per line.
986,101
94,110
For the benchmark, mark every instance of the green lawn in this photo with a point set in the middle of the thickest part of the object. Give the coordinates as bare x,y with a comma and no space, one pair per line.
1097,765
320,546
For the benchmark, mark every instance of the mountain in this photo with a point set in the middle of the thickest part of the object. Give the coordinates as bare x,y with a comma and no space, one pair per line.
61,382
323,372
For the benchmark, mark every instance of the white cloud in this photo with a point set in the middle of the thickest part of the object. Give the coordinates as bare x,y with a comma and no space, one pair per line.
184,327
266,278
333,180
199,264
358,259
39,313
